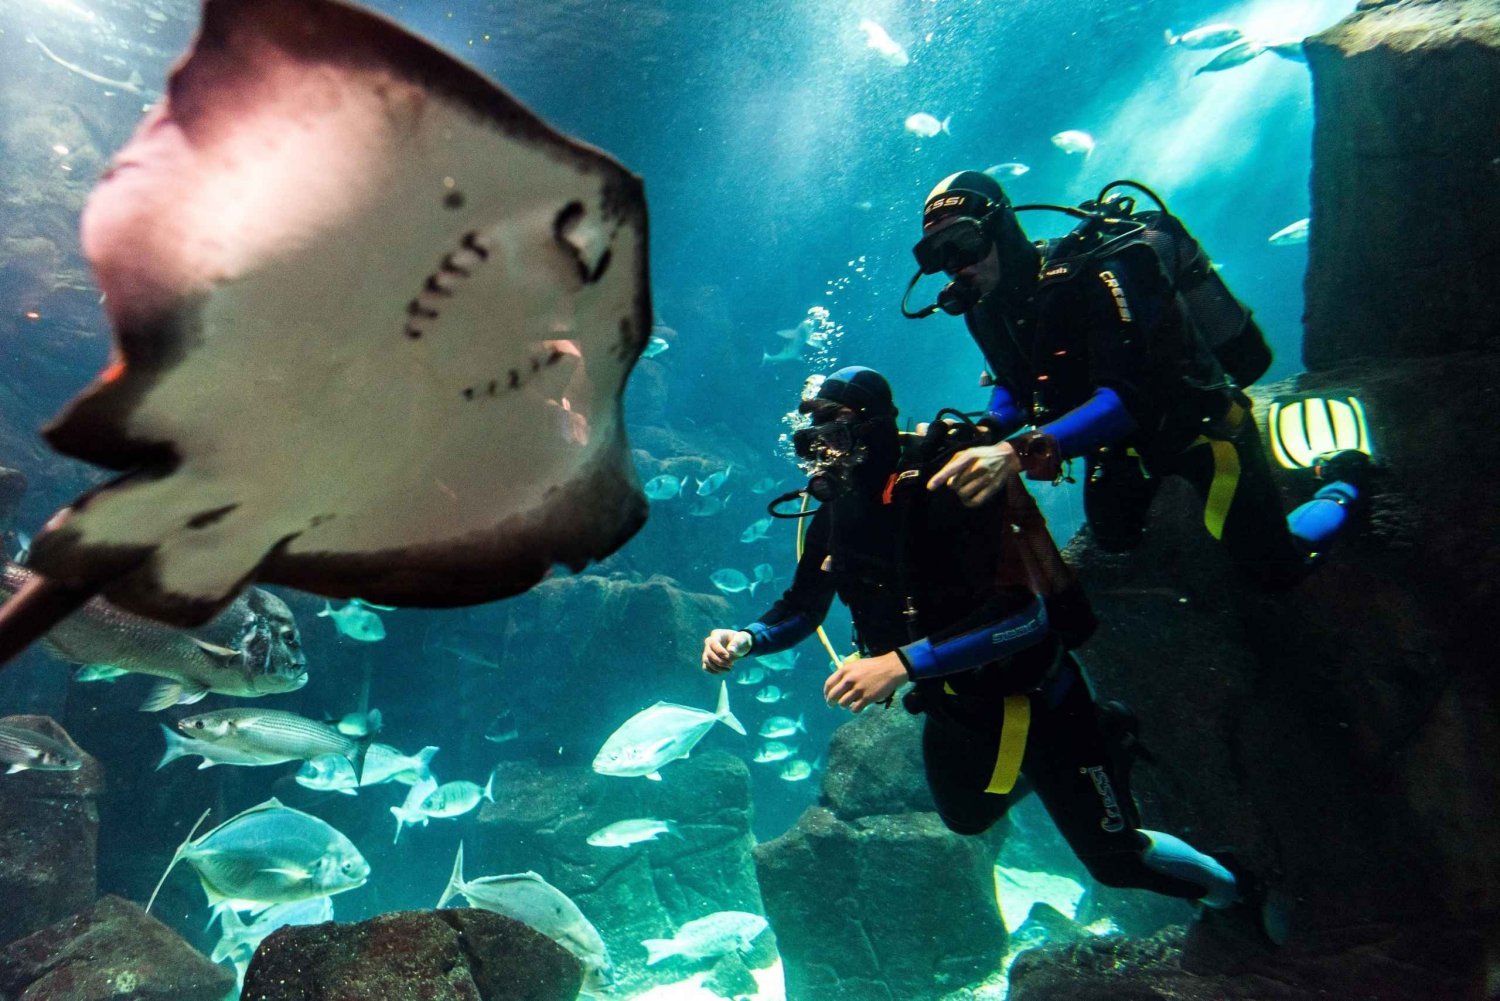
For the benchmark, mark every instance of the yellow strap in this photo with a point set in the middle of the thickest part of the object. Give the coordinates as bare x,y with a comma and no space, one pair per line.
1221,490
1015,726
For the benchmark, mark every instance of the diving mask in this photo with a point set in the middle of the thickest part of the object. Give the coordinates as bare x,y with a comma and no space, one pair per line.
958,245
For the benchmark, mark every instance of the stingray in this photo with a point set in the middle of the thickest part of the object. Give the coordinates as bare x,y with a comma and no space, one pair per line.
372,323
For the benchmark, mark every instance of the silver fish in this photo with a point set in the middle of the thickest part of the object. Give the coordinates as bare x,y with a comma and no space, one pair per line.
410,811
383,763
764,485
134,85
785,660
269,732
927,125
1290,236
252,648
269,854
22,749
655,346
714,481
530,899
712,935
1237,54
356,621
502,728
623,833
454,799
750,676
212,754
782,726
664,487
1010,169
1210,36
799,340
756,531
730,581
769,694
663,733
774,750
328,773
796,771
878,39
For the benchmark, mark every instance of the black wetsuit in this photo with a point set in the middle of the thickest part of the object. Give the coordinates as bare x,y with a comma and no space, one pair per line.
1102,357
944,585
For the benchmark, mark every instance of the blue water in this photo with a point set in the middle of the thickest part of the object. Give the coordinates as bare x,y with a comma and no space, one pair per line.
780,179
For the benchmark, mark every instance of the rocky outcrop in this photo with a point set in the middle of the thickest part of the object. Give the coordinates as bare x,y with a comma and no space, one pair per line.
871,897
1332,736
49,833
646,890
112,951
447,955
1403,257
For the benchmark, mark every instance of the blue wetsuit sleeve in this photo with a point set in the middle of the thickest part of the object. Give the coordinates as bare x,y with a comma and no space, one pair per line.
805,604
1099,420
936,657
1003,408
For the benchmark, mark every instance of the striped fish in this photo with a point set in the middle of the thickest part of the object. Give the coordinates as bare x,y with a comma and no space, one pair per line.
21,749
270,734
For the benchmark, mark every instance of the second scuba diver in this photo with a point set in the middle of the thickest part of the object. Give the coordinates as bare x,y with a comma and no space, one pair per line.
975,605
1095,350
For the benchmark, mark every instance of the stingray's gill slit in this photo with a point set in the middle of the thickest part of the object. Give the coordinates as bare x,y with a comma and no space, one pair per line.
456,267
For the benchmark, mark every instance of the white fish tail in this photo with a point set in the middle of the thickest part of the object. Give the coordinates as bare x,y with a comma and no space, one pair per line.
455,881
801,722
944,126
489,787
1171,38
722,712
177,857
658,949
327,609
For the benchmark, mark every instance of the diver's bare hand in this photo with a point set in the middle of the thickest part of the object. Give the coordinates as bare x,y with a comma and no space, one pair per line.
722,647
979,473
863,681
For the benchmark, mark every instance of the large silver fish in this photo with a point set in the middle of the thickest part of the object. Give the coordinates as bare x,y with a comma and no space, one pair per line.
532,900
270,854
251,648
664,732
22,749
272,734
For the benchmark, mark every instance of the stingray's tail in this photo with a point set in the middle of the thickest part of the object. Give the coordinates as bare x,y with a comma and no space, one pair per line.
177,857
30,614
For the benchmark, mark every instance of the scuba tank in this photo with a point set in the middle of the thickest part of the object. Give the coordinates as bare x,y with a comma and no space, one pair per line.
1222,326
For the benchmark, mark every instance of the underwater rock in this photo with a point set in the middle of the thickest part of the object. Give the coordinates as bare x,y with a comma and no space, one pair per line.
446,955
731,978
1330,735
1115,967
876,766
613,639
1403,260
884,907
114,951
544,814
49,833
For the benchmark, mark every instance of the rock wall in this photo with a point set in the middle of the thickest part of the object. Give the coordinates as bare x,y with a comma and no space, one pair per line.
49,834
1404,257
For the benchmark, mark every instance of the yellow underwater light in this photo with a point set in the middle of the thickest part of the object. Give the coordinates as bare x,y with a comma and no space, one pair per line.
1302,429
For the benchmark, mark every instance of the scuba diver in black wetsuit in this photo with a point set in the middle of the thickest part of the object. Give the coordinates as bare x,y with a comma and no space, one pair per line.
1095,349
973,604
